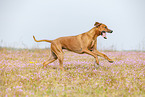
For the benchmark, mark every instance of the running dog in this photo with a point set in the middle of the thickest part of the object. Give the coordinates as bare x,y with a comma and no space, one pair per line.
82,43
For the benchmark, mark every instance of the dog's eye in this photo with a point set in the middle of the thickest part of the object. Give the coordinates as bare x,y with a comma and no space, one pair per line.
105,27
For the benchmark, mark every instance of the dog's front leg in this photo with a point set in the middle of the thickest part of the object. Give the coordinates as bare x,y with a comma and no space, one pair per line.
93,54
103,55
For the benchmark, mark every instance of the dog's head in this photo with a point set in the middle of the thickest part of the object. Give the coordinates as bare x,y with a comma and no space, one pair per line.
102,29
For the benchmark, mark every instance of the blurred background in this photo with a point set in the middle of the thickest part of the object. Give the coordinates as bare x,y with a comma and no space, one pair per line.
50,19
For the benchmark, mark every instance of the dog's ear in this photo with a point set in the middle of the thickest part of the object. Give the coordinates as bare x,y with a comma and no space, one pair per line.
97,24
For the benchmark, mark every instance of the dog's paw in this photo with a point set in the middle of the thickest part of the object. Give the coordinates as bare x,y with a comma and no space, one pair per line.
96,65
111,61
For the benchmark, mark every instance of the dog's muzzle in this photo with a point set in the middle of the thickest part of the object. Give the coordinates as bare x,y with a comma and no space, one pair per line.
103,33
110,31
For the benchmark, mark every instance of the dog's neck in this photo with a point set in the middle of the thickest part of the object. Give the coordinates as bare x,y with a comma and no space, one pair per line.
94,33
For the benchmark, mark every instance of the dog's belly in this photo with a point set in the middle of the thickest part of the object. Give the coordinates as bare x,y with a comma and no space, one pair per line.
75,47
72,44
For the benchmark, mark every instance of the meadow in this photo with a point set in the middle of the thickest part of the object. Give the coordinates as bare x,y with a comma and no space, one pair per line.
22,75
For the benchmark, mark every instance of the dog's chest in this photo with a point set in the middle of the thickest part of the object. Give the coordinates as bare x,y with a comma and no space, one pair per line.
92,43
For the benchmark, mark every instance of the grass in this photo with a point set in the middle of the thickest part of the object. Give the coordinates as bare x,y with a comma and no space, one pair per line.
22,75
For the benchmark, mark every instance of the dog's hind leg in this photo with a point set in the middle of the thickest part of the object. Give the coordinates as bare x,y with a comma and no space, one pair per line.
51,59
57,49
60,58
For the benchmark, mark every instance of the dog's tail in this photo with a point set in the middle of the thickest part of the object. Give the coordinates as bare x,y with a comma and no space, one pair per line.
42,40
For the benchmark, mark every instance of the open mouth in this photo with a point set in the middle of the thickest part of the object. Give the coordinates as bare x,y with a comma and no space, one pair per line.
103,33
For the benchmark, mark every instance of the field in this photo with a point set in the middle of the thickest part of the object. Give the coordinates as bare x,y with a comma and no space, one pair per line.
22,75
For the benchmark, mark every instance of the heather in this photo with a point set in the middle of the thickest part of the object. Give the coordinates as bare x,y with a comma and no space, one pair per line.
22,75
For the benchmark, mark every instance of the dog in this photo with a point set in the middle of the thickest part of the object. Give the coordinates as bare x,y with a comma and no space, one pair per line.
82,43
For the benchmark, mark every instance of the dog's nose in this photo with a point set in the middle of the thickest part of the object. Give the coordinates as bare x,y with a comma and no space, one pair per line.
111,31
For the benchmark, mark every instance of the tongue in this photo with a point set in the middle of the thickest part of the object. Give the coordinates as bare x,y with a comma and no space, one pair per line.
104,35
